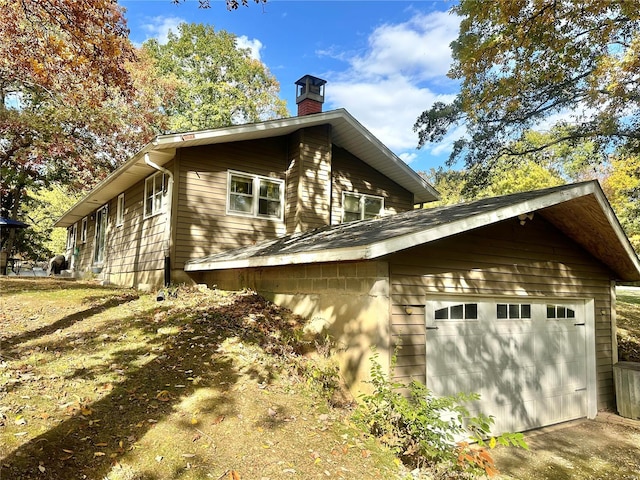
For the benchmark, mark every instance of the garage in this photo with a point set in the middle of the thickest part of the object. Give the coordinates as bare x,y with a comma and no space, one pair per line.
528,358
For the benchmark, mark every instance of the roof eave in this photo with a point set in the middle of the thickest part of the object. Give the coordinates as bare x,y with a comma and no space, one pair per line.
163,147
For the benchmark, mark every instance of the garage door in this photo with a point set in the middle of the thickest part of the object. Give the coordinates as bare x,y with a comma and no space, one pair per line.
527,359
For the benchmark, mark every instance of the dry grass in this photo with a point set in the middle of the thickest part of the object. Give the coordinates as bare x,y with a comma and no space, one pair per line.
105,383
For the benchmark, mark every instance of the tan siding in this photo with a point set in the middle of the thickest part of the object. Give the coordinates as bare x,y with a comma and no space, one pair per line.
504,259
293,182
350,174
202,225
310,172
132,248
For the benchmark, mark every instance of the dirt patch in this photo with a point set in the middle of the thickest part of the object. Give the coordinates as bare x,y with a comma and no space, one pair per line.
605,448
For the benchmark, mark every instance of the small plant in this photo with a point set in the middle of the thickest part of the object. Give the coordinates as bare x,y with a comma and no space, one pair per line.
423,429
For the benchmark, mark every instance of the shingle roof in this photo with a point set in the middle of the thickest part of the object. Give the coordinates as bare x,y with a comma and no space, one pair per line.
369,239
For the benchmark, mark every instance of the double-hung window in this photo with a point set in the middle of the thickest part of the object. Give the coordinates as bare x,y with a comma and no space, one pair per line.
154,190
358,206
254,195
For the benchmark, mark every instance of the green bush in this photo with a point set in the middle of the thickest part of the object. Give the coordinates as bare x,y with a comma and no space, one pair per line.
426,430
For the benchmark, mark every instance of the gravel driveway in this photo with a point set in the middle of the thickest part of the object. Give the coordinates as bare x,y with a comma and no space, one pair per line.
605,448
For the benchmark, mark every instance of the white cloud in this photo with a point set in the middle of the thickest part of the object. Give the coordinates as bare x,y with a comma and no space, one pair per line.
418,48
397,78
387,107
158,27
254,45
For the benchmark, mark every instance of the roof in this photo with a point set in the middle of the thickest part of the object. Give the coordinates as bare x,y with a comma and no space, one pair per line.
347,133
579,210
10,223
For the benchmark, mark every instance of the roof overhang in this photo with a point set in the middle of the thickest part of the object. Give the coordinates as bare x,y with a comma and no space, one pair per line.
347,133
581,211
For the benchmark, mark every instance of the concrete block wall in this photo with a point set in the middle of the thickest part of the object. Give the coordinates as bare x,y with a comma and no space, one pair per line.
350,301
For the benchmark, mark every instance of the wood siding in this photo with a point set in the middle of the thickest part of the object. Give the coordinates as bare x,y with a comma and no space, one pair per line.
310,172
350,174
135,250
505,259
202,224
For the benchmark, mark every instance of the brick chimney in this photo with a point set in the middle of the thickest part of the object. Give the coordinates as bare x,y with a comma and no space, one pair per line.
309,95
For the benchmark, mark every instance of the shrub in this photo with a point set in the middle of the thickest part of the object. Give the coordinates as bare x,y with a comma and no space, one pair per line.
427,430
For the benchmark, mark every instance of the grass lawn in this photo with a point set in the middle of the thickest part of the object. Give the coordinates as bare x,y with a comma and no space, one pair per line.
628,322
108,383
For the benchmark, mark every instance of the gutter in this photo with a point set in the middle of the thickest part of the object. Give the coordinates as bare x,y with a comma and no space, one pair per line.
166,243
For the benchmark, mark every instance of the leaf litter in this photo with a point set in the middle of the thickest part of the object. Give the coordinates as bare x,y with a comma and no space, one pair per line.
111,384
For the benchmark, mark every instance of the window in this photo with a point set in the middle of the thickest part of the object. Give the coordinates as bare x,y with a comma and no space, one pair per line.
560,311
513,310
467,311
83,230
357,206
101,234
255,196
120,210
72,232
154,190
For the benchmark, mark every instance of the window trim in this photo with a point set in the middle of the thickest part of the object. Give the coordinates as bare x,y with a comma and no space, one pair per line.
255,195
72,234
162,193
361,198
84,226
120,210
100,247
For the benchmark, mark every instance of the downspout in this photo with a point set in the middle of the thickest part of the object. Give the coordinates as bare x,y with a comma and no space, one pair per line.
166,244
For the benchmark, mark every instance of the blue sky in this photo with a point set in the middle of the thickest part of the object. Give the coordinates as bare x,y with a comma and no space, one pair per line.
384,61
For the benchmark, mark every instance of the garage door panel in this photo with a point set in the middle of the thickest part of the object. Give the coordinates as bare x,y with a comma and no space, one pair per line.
528,366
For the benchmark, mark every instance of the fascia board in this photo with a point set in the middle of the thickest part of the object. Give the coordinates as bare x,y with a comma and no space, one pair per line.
89,203
617,228
333,255
396,244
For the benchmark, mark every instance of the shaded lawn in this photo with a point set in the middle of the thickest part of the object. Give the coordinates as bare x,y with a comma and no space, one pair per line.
99,382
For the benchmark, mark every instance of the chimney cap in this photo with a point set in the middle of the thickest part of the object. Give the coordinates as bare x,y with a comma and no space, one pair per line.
310,80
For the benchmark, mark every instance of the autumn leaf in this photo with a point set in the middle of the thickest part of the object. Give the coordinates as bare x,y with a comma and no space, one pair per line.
164,396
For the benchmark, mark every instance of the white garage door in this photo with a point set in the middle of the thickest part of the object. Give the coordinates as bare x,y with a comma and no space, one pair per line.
527,359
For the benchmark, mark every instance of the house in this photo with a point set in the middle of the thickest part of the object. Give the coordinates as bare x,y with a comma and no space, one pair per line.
512,297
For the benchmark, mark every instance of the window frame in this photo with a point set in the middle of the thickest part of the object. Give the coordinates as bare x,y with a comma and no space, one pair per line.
255,180
84,226
456,312
72,234
361,201
100,235
120,210
156,196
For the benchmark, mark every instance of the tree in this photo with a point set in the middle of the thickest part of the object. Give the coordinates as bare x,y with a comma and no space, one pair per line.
219,83
622,187
524,62
59,45
231,4
72,104
508,175
40,209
